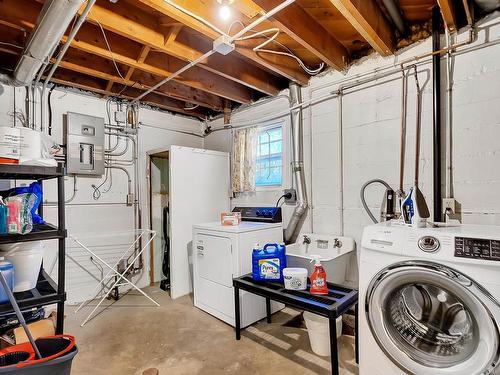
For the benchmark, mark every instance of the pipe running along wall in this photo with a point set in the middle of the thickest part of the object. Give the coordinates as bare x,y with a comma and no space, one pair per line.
54,19
297,125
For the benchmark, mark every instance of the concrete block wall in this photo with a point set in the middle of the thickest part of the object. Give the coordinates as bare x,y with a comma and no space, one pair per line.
371,118
88,217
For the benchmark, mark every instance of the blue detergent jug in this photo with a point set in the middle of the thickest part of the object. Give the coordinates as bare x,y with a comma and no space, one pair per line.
268,262
7,269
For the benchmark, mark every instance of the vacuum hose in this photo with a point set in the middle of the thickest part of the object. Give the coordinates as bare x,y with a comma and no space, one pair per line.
390,211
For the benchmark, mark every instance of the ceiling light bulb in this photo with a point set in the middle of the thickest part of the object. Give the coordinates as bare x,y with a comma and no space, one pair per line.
225,12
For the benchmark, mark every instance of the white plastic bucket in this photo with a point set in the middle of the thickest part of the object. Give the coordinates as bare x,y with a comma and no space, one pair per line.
295,278
319,332
27,260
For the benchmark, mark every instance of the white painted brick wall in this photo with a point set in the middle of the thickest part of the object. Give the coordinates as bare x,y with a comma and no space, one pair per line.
371,120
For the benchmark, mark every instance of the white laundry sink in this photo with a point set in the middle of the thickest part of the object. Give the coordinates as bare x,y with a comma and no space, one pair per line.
335,252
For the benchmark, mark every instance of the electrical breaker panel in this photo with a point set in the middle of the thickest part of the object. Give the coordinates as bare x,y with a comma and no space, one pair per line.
85,144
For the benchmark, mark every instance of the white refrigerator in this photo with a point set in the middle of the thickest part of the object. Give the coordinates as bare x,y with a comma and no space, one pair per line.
199,191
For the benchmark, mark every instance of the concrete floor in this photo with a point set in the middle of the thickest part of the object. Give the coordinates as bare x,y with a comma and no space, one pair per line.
132,336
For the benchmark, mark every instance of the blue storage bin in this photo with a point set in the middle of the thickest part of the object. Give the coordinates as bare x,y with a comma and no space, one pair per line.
268,262
8,272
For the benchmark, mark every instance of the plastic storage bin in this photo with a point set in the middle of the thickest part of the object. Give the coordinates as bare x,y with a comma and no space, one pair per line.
319,332
268,262
27,260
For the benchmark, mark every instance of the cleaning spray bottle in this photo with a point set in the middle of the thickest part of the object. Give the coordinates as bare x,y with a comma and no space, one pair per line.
318,277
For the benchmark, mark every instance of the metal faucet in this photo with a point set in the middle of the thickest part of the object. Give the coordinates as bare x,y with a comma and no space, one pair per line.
307,240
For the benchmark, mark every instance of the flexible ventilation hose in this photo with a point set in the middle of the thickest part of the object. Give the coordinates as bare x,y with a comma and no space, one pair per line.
363,199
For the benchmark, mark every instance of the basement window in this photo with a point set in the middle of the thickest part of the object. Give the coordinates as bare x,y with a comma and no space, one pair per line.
269,171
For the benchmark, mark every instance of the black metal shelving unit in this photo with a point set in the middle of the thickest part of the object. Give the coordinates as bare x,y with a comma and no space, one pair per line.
47,291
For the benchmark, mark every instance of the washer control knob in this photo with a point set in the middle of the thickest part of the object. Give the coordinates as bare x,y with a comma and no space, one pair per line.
428,244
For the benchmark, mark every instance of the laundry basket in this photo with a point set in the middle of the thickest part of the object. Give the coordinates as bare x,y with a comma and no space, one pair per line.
319,332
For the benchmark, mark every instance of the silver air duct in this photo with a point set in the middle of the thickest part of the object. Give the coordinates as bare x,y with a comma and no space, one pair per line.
291,231
54,19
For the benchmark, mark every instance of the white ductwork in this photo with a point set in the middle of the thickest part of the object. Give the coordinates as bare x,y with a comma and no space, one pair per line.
488,5
54,19
291,231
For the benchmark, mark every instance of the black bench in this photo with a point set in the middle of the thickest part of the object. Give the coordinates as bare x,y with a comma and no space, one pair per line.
331,306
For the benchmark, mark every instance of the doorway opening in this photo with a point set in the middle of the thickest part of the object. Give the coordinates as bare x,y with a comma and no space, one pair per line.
159,219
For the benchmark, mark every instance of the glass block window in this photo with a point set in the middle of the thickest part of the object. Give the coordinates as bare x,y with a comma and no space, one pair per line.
269,171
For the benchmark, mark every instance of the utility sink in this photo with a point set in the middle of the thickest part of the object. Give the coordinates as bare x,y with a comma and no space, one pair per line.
335,252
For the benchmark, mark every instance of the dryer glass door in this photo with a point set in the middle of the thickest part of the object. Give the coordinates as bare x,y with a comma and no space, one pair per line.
428,318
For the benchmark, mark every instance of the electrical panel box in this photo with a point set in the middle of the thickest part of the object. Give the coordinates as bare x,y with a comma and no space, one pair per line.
84,144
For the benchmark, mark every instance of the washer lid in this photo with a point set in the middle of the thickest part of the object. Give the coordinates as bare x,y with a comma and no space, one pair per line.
431,319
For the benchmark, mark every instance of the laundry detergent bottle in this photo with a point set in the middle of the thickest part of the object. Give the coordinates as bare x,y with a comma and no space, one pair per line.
318,277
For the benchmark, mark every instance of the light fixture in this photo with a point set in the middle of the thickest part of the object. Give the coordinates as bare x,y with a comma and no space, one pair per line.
225,9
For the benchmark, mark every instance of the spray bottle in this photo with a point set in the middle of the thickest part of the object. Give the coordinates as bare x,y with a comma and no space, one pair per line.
318,277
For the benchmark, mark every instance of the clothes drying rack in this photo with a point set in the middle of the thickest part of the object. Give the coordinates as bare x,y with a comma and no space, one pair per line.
139,241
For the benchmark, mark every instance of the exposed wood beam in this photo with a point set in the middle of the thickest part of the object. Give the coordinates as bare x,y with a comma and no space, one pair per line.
80,81
22,14
100,68
142,28
282,65
303,28
368,19
448,12
469,11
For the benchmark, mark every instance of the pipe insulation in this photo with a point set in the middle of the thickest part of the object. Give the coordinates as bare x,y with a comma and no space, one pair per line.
297,123
54,19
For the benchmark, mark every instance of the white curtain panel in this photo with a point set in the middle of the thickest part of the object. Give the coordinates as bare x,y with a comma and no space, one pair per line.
244,160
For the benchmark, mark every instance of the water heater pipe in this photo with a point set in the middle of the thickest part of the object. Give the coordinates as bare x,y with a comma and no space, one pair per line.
297,124
436,86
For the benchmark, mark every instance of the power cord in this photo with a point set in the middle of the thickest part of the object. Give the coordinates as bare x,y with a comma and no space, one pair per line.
286,196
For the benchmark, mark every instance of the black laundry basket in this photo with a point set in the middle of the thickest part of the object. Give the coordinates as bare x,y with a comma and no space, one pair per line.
58,366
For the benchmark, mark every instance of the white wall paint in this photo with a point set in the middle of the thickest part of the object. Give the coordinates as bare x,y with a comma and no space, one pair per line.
371,121
84,215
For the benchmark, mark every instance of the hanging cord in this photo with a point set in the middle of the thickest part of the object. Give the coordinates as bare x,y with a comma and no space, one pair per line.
49,101
110,51
271,39
363,199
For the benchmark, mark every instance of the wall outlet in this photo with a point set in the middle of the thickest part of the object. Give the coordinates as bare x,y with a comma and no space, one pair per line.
449,206
293,198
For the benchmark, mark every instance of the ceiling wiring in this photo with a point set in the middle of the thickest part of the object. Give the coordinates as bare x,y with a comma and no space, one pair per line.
110,51
272,39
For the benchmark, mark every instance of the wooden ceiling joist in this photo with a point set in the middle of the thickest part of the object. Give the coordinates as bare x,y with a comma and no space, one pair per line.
143,29
368,19
300,26
448,12
282,65
23,14
73,79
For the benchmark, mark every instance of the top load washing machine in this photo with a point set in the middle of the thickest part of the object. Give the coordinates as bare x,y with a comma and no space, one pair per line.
430,298
221,253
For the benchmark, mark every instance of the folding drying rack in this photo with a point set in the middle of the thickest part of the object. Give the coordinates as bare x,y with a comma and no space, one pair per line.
138,244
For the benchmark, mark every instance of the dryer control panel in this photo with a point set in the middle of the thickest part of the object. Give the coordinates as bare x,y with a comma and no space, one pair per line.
477,248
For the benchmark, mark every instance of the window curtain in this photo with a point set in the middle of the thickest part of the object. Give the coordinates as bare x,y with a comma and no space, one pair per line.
244,160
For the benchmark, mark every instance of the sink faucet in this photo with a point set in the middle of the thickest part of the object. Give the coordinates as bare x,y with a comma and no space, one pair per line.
307,240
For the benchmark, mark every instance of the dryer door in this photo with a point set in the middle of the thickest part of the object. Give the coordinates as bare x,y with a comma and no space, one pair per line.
431,319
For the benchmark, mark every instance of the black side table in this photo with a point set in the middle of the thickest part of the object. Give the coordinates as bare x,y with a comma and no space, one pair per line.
331,306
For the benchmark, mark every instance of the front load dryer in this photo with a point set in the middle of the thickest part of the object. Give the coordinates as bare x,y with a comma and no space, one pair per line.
429,300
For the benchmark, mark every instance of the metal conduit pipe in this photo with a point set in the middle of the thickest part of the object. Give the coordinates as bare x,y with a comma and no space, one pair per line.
206,55
129,180
53,20
61,54
395,15
297,124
